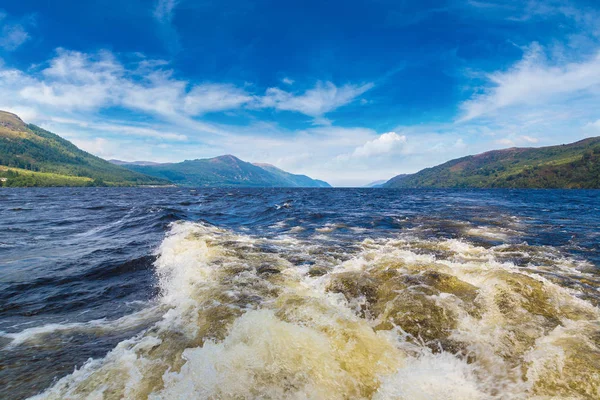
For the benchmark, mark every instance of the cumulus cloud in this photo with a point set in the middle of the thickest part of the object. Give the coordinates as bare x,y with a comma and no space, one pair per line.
287,81
375,147
535,80
387,143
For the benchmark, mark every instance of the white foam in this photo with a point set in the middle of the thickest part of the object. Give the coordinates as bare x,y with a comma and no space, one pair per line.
432,377
231,332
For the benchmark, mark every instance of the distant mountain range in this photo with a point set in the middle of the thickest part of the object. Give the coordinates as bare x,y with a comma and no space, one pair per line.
575,165
226,171
376,184
32,156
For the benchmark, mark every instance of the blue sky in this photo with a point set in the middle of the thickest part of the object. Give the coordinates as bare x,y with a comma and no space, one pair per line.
346,91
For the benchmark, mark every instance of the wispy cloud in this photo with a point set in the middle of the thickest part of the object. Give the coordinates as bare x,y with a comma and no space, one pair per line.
122,128
215,97
522,140
584,18
12,34
323,98
67,94
75,81
163,10
535,81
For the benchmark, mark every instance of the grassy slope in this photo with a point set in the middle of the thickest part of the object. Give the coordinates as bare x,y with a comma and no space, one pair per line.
227,171
575,165
17,177
31,148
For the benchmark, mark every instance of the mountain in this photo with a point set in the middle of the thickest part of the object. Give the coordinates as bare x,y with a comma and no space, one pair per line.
575,166
376,184
119,162
292,180
224,171
32,156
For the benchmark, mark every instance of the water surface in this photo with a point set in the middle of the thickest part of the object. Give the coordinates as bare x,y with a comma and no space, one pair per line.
299,293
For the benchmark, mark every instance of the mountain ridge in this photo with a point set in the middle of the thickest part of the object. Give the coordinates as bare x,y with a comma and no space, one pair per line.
574,165
226,170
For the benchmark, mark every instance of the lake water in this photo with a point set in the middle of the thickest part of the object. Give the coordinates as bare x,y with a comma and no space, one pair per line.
175,293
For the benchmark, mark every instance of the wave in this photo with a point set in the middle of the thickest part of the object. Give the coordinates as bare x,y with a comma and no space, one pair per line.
39,334
401,318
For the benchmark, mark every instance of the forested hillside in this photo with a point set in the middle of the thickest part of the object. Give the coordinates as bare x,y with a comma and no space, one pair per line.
575,165
32,156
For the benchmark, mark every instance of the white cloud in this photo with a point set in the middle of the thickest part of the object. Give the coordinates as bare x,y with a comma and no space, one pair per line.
529,139
163,11
287,81
505,142
387,143
316,102
535,81
66,94
593,125
158,94
214,97
512,141
75,81
98,146
121,128
524,11
12,34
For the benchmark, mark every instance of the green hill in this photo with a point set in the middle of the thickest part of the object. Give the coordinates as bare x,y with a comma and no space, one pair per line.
573,166
223,171
32,156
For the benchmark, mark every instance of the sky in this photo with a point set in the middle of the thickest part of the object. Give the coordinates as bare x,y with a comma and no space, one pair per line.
346,91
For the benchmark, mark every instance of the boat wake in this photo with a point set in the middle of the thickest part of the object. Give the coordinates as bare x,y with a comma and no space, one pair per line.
243,317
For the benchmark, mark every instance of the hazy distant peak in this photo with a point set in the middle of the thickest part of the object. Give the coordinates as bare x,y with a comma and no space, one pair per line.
376,183
120,162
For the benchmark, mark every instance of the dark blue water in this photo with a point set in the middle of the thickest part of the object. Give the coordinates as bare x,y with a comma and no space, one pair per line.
73,255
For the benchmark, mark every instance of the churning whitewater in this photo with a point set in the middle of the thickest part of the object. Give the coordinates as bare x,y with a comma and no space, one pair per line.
408,315
400,319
